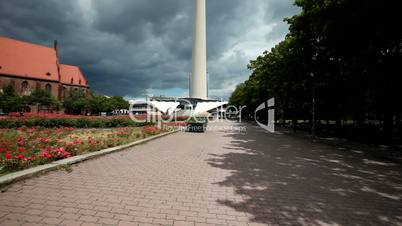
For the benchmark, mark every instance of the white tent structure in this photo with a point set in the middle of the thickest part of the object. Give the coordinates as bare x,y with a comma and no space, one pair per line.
203,107
188,106
165,107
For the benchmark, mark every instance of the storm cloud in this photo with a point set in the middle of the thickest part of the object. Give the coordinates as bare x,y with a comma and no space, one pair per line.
135,48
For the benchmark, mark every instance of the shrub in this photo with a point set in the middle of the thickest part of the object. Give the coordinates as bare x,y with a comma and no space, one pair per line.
67,121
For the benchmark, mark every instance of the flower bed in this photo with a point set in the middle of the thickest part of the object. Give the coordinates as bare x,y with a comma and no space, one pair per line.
25,147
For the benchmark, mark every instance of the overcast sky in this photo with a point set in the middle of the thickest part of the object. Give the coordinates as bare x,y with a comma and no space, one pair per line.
135,48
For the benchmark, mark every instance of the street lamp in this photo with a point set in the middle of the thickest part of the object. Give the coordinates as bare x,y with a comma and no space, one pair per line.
313,107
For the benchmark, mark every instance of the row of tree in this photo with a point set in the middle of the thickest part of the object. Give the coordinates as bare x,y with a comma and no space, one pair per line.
340,61
76,103
11,102
93,103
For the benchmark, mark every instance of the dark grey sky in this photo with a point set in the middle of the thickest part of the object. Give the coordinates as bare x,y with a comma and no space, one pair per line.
143,47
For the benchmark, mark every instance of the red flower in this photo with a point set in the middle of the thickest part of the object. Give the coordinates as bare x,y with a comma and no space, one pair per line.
44,140
57,153
92,141
20,141
19,157
78,142
22,149
45,154
7,156
3,150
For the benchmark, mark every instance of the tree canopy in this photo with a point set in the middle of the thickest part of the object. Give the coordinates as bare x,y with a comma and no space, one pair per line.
346,53
93,103
76,103
9,101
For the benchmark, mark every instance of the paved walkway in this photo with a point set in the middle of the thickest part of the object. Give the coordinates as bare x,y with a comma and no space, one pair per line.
216,178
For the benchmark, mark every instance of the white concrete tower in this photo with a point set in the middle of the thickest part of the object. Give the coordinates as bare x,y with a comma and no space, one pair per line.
198,81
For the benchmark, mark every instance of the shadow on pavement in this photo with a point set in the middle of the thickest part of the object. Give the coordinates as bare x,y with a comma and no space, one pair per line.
293,181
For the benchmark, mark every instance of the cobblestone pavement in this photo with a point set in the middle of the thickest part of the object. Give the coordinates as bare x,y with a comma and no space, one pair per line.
216,178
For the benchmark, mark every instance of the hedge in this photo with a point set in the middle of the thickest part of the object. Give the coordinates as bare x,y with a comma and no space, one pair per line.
70,122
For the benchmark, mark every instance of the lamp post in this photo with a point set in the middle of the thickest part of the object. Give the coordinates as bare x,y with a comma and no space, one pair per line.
313,107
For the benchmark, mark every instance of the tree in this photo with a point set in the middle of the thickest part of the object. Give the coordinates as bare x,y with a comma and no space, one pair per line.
350,62
98,103
75,103
94,103
117,103
41,97
9,101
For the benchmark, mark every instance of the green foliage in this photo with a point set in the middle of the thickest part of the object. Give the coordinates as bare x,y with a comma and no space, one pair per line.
117,102
84,122
75,103
94,103
9,101
346,52
41,97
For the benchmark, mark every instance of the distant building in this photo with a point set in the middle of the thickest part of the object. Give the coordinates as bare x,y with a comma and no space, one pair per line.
27,67
177,106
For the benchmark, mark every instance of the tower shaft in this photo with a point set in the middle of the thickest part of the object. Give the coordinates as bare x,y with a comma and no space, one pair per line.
198,82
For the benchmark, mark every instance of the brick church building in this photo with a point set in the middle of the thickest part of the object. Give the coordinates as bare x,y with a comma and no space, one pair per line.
27,67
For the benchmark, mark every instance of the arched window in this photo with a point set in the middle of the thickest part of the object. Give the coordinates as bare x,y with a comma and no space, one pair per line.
24,86
48,88
64,94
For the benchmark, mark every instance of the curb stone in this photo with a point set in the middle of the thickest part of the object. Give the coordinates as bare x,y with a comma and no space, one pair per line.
37,170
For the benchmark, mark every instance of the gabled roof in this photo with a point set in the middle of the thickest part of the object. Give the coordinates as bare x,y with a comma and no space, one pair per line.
71,75
27,60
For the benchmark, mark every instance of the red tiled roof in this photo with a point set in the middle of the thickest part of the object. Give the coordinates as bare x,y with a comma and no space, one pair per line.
71,75
27,60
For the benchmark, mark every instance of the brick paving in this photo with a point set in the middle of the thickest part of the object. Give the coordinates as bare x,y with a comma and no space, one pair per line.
216,178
